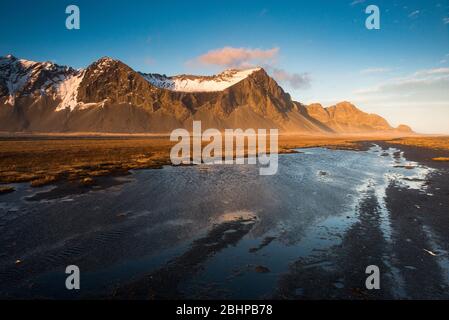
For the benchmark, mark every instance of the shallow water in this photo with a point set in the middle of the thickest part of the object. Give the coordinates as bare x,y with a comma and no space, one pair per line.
124,232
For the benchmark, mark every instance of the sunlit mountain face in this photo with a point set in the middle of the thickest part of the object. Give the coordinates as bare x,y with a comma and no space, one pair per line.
109,96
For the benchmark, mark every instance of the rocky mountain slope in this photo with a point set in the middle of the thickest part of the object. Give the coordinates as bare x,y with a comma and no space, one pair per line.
344,117
109,96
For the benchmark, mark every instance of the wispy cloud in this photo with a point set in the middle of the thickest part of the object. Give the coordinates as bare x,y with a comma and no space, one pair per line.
431,72
446,20
356,2
231,57
375,70
240,58
294,80
445,59
429,85
420,99
149,61
414,14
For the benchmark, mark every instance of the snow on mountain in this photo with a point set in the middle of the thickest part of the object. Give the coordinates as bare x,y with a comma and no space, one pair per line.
126,101
188,83
24,77
67,90
21,76
14,74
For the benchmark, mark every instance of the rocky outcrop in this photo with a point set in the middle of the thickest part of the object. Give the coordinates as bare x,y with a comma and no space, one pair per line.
404,128
344,117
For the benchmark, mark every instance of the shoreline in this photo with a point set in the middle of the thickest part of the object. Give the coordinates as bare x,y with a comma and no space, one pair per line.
34,159
45,160
414,258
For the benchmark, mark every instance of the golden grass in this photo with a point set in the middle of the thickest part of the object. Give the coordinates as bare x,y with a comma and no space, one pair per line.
42,181
441,159
43,161
287,142
6,189
436,142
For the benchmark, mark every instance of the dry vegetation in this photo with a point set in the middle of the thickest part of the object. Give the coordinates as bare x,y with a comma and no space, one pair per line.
6,189
44,160
288,142
434,142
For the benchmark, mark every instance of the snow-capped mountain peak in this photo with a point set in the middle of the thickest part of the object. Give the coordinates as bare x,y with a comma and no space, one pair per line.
190,83
103,62
25,76
109,96
20,77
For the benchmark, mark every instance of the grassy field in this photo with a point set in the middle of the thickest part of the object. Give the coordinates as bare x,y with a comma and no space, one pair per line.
441,142
434,143
42,160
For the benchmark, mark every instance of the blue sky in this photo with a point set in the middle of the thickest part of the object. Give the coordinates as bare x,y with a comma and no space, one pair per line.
400,71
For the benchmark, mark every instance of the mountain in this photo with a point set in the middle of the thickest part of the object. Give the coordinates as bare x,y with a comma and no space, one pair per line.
191,83
344,117
109,96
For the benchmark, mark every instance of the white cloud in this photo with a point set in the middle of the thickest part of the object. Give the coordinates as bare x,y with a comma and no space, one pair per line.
425,85
356,2
445,59
435,71
446,20
374,70
414,14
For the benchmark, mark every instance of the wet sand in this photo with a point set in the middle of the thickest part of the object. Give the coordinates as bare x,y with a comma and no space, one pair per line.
164,282
417,252
403,232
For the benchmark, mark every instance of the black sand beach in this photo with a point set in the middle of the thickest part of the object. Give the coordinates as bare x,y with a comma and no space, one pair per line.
308,233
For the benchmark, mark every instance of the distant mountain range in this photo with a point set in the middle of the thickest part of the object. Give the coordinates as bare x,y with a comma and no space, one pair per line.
109,96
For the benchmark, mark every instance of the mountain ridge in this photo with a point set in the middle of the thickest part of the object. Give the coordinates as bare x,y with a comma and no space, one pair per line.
109,96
